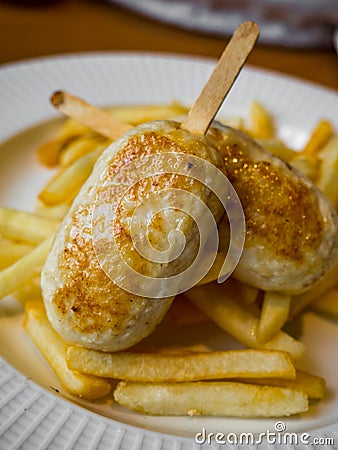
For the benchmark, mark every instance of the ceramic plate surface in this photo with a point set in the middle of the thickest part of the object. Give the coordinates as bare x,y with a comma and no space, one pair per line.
35,412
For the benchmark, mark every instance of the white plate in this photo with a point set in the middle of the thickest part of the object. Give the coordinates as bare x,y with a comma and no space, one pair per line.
32,414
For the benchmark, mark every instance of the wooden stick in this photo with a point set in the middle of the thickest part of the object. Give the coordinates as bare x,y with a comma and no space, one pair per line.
222,78
94,118
202,112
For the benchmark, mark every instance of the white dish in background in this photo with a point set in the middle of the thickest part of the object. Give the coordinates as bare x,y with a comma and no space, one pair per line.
288,23
32,414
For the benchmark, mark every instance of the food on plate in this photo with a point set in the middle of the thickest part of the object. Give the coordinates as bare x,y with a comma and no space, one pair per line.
327,177
261,124
147,169
213,398
66,184
29,291
252,316
291,238
291,226
221,305
11,251
313,386
193,366
320,137
24,269
274,314
54,349
26,227
78,139
96,312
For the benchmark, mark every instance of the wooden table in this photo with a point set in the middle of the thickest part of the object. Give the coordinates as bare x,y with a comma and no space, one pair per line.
87,25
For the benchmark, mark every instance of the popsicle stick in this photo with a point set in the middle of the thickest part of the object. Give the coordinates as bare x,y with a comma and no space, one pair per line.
95,118
222,78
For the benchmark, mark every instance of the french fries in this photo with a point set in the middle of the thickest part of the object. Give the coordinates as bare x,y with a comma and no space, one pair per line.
217,304
261,123
175,368
308,161
312,385
210,398
11,251
260,381
24,268
67,183
82,146
29,291
26,227
53,349
319,137
56,212
49,152
275,311
137,114
328,172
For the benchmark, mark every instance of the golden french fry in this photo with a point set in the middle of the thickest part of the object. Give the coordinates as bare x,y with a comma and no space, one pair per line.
243,294
312,385
82,146
328,172
49,152
72,128
218,304
261,123
54,348
137,114
319,137
11,251
67,183
160,367
275,311
301,301
210,398
327,303
26,227
29,291
24,268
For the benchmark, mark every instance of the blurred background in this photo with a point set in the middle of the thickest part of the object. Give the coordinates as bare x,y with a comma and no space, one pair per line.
297,36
